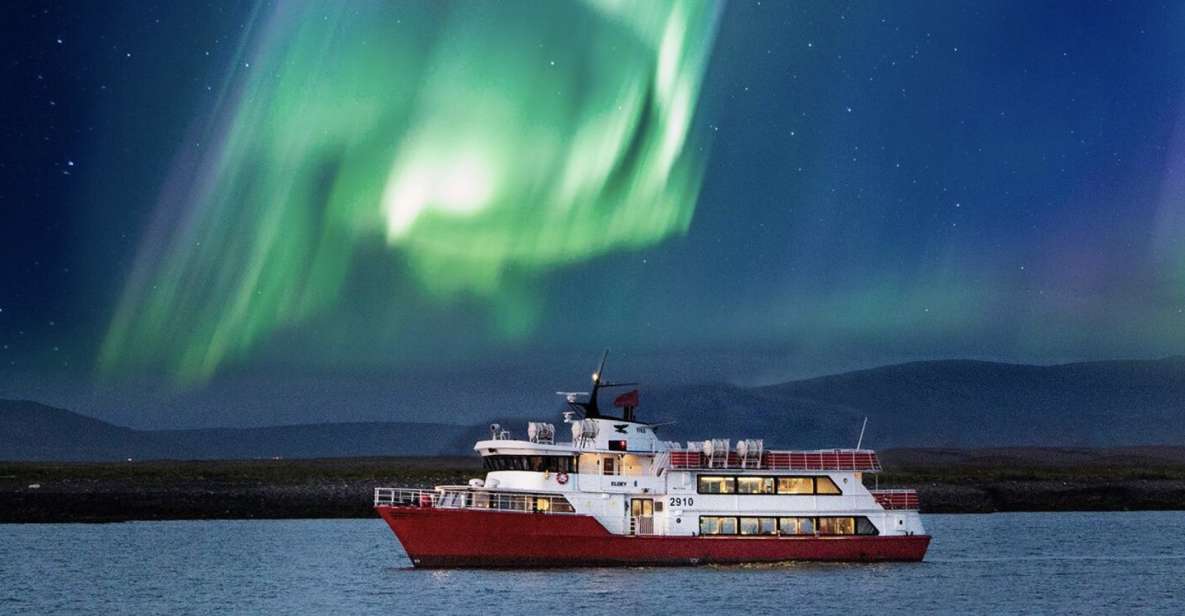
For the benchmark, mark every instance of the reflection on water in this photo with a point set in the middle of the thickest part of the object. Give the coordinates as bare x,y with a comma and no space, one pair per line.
1021,562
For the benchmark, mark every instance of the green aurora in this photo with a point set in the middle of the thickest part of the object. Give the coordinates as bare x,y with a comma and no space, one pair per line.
482,144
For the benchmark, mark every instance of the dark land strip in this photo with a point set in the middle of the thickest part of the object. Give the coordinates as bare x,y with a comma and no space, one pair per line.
948,481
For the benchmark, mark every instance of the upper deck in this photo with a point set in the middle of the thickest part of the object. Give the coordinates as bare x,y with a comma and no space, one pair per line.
617,437
623,445
861,460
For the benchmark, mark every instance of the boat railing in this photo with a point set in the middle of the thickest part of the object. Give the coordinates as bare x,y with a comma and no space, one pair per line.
467,498
821,460
897,499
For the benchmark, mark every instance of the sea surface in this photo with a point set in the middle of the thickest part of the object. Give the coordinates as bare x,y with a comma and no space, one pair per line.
1030,563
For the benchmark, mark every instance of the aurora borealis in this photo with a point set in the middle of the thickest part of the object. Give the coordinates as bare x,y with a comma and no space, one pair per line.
478,152
212,208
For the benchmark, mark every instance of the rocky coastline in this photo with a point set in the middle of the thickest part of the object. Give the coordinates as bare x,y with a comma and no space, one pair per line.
41,492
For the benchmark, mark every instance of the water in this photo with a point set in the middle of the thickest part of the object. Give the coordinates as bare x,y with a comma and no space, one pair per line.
1002,563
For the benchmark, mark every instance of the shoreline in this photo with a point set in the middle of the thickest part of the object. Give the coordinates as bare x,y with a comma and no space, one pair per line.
52,492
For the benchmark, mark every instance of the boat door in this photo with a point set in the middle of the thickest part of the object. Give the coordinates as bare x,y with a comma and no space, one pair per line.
642,510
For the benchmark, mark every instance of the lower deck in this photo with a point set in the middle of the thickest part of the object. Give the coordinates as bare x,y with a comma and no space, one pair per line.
669,515
441,537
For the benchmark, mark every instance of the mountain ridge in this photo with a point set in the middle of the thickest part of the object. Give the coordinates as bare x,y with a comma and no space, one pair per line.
55,434
937,403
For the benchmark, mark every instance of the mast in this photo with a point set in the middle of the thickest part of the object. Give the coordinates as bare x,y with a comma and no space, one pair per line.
590,408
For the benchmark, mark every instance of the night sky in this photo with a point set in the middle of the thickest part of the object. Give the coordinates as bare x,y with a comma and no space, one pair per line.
242,214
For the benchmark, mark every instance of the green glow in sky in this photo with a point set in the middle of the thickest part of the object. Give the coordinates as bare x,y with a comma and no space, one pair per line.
478,141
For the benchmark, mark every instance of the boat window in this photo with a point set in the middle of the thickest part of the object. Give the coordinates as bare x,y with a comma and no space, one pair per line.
539,464
837,526
715,525
609,466
824,485
759,526
796,526
755,485
796,485
865,527
520,502
716,485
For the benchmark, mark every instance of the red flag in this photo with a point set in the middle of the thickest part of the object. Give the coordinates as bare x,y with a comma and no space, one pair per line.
629,398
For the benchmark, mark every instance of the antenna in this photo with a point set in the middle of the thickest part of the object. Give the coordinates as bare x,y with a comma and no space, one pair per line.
590,407
600,373
860,441
571,396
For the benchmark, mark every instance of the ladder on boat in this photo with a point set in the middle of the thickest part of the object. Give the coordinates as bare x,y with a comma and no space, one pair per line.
662,462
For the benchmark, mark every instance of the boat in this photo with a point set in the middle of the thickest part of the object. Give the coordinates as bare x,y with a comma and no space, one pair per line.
618,495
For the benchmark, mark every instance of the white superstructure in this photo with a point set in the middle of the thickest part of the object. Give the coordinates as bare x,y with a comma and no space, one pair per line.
620,472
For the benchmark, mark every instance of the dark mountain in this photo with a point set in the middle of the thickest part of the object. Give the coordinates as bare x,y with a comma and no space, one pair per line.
959,404
946,404
32,431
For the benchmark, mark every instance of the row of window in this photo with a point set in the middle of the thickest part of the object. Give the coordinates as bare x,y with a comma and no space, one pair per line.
504,501
727,525
716,484
538,464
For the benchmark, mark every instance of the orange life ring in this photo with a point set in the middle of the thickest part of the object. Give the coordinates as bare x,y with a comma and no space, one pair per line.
561,478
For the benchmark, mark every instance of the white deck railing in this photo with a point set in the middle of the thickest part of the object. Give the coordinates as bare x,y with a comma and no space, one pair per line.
777,460
897,499
466,498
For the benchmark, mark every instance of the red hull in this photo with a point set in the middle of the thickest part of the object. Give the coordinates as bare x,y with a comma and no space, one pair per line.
436,537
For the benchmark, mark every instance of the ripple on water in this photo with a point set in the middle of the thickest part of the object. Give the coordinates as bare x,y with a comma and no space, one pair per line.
1020,562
